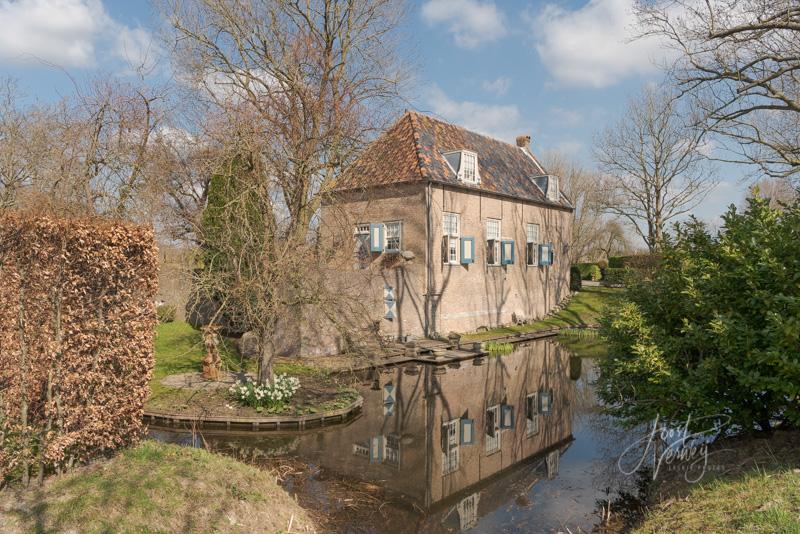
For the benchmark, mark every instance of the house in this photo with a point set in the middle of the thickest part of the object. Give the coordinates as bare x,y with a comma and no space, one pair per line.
451,230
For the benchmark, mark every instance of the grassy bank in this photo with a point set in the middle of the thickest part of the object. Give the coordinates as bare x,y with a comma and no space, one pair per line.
584,309
156,488
752,485
758,502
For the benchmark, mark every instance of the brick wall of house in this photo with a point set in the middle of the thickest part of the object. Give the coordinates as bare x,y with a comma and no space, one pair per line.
475,295
465,297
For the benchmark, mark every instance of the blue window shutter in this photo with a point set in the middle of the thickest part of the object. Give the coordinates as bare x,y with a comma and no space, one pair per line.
545,402
376,238
545,254
507,252
376,450
506,416
467,250
467,434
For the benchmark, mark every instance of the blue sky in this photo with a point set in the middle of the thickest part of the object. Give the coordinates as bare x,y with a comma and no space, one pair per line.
557,70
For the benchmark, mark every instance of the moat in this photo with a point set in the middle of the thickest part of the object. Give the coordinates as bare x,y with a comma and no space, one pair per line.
510,443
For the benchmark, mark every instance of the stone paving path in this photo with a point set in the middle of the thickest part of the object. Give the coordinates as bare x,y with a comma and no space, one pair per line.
196,381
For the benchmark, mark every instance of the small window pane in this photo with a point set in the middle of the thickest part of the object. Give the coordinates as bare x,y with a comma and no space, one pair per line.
450,224
393,233
532,233
492,229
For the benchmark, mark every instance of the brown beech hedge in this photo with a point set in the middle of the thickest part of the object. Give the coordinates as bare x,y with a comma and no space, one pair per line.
77,319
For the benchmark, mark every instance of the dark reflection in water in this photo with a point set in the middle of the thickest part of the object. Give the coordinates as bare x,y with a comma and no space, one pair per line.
512,443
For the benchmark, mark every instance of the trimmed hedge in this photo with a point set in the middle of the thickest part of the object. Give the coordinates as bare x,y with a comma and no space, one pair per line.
575,278
614,276
76,331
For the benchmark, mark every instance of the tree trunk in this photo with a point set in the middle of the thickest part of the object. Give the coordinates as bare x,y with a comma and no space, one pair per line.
267,354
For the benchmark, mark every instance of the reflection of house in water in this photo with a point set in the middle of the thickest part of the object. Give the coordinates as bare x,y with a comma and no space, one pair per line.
436,433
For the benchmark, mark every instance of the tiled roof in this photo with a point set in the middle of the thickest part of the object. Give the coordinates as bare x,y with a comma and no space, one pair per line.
413,151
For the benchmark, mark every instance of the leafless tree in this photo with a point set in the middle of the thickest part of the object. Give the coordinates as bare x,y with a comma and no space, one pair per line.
739,62
653,164
92,152
297,88
580,184
779,191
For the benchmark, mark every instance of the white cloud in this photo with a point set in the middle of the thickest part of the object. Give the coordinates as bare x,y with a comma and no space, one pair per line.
471,22
592,45
502,122
68,33
497,87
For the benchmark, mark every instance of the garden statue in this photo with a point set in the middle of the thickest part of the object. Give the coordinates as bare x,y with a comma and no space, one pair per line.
212,361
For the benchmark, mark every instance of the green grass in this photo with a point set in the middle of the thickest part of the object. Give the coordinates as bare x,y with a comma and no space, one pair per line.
179,349
155,487
583,343
758,502
584,309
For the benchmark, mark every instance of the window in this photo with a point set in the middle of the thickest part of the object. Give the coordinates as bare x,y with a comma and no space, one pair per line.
493,241
393,236
450,224
361,252
552,188
532,238
469,165
492,429
450,446
391,455
531,415
450,238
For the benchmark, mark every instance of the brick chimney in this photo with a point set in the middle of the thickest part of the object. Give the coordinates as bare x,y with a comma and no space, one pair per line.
524,141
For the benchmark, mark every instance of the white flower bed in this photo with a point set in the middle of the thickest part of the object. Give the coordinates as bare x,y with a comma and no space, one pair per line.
273,396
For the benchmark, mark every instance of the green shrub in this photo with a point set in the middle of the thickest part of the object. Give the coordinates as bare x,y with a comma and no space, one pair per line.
496,347
166,313
589,271
616,262
614,277
714,332
575,278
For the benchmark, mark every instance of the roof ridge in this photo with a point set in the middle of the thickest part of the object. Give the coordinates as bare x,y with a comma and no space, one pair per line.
458,126
415,135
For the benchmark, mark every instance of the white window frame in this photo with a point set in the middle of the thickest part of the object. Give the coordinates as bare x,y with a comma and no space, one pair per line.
391,450
450,458
399,236
452,236
492,444
472,157
552,188
532,252
497,238
361,237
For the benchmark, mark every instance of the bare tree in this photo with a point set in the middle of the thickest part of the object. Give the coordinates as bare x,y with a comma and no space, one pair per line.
739,62
582,187
779,191
298,88
653,164
92,152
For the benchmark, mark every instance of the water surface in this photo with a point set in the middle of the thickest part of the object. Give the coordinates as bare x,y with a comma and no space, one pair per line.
511,443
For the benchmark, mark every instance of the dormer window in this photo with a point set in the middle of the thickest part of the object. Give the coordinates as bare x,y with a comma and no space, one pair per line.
469,166
465,164
552,188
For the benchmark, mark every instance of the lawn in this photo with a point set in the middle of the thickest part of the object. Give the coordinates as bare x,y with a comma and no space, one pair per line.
156,487
179,349
584,309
